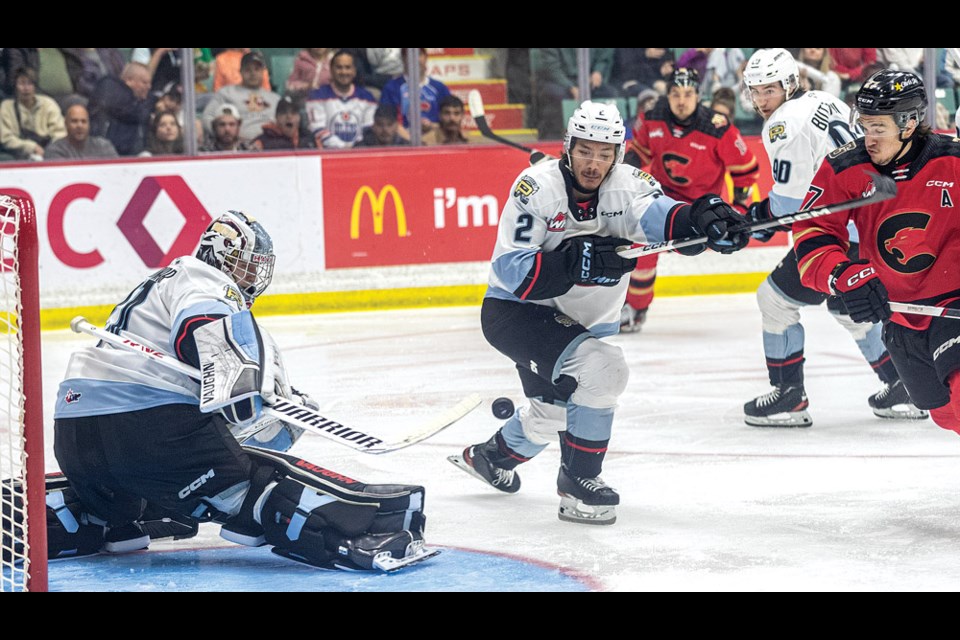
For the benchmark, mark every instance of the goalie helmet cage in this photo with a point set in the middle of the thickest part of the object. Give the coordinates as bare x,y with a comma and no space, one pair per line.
23,515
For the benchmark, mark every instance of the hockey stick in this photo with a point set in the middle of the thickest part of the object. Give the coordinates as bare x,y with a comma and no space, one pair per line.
884,189
924,310
479,116
292,413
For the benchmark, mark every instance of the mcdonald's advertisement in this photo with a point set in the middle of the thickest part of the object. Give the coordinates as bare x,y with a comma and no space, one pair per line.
428,205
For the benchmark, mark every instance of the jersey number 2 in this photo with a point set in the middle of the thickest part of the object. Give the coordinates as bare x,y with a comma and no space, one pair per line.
524,225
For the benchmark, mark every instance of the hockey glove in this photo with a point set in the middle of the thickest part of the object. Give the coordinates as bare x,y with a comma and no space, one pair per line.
861,291
594,260
760,212
713,217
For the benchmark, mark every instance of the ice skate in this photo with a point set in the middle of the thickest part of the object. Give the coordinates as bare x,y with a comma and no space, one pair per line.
631,320
586,500
784,406
893,402
476,460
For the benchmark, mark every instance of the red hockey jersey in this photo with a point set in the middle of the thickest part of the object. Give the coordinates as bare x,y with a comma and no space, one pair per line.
913,239
691,161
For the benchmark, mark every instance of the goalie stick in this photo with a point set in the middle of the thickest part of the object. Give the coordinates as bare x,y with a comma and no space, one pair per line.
479,116
291,413
884,189
924,310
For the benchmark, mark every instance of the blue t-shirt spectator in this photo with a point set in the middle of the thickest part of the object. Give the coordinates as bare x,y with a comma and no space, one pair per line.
397,94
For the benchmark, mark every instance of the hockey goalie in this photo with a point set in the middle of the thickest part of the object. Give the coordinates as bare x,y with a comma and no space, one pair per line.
147,452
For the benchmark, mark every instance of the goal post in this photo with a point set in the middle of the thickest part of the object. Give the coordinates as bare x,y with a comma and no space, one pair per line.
23,515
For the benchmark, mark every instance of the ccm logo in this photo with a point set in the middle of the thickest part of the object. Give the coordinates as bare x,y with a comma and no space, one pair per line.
196,484
857,277
939,183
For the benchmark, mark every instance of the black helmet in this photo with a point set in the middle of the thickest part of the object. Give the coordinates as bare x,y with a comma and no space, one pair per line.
893,93
685,77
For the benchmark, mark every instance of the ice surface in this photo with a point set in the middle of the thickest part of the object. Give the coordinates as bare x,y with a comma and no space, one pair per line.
707,502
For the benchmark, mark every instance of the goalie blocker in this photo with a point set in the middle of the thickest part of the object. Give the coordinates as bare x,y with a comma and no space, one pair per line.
307,513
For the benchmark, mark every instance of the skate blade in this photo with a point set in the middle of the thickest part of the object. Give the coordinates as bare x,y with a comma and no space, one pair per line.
794,419
573,510
902,412
460,463
415,554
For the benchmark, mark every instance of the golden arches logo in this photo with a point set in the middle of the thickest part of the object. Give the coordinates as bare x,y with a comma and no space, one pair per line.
377,203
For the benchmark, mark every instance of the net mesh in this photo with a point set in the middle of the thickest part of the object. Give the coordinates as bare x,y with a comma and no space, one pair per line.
14,562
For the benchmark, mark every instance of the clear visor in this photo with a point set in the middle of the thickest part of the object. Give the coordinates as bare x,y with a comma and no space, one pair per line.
252,272
607,155
874,126
765,94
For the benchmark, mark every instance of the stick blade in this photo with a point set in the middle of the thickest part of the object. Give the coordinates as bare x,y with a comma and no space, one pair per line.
433,427
476,104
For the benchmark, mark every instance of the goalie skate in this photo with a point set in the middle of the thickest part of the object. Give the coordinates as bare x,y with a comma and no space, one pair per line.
784,406
415,554
893,402
586,500
384,561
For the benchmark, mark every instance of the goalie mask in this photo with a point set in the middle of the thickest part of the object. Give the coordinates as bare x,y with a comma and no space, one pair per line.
238,245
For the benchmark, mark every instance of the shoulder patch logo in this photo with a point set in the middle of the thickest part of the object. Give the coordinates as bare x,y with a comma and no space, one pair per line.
646,177
525,189
230,293
719,120
841,150
777,131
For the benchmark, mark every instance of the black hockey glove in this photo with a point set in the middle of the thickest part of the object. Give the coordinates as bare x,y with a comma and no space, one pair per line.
594,260
861,291
713,217
760,212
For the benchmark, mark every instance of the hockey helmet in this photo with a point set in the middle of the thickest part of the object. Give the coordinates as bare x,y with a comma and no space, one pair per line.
238,245
599,122
767,66
685,77
892,93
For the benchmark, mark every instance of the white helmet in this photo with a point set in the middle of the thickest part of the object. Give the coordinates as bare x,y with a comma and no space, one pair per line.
238,245
597,121
772,65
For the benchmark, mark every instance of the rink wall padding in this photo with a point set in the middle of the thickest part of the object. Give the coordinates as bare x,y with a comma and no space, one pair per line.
353,230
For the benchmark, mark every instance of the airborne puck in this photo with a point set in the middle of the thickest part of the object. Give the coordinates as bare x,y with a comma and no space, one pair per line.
503,408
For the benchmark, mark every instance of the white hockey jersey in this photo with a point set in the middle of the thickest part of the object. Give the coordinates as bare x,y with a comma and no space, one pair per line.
538,217
797,137
103,379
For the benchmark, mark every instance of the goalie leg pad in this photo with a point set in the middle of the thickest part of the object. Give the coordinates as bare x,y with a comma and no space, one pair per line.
323,518
70,530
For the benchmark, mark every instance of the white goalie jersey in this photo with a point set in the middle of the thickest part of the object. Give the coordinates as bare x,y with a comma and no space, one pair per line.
102,379
539,216
797,137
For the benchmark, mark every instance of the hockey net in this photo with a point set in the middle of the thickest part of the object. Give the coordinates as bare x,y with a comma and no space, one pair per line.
23,560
